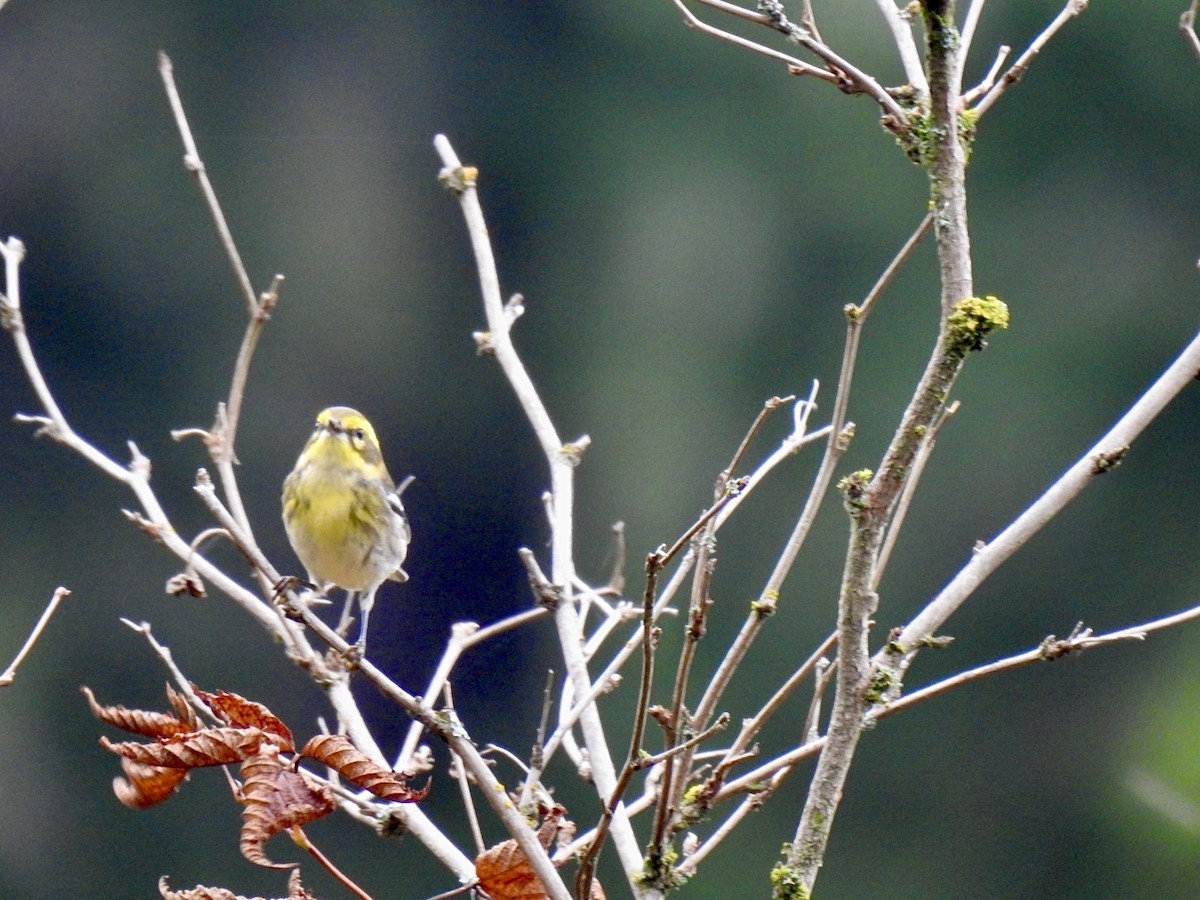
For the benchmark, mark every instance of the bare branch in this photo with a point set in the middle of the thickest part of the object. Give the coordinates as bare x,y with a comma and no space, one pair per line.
838,440
989,79
1051,648
795,66
562,460
193,163
1101,458
870,498
970,23
221,439
460,632
906,45
910,488
654,759
1018,69
1187,25
752,726
10,673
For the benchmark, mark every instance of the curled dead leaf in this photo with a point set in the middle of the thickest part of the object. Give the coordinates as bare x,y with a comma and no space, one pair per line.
234,709
337,752
144,786
140,721
188,583
504,873
277,797
296,891
194,750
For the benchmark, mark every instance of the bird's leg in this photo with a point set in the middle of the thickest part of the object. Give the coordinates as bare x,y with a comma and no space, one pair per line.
343,624
365,602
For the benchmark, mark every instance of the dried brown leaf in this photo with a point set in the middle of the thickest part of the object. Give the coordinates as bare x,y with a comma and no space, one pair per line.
186,583
207,747
183,709
336,751
145,785
233,709
199,892
296,891
504,873
137,721
277,798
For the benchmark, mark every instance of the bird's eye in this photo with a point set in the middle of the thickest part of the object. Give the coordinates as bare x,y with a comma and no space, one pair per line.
359,434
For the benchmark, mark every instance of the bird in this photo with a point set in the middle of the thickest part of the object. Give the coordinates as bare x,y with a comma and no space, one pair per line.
343,514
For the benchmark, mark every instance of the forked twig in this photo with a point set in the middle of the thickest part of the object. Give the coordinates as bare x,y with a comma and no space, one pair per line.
1018,69
221,439
795,66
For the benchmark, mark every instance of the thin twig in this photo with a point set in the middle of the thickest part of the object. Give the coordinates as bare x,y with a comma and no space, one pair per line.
795,66
459,632
752,726
1187,25
302,841
848,77
464,789
768,407
222,438
539,740
587,862
571,709
751,781
970,23
906,45
9,674
888,275
838,440
616,582
675,772
732,490
920,459
1102,457
989,79
182,683
750,804
792,444
502,625
1017,71
812,721
193,163
654,759
293,638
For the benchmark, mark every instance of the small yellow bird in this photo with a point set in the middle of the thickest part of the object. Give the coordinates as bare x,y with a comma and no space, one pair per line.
343,514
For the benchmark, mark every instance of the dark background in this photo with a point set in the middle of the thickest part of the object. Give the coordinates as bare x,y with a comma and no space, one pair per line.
686,222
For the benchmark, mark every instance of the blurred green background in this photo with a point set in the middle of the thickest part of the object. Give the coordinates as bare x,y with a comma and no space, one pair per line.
686,222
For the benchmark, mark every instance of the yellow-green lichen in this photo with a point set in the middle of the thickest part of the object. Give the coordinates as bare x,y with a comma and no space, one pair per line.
973,319
880,686
786,884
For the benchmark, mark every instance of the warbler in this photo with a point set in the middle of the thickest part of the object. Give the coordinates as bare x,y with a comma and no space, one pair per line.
343,514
